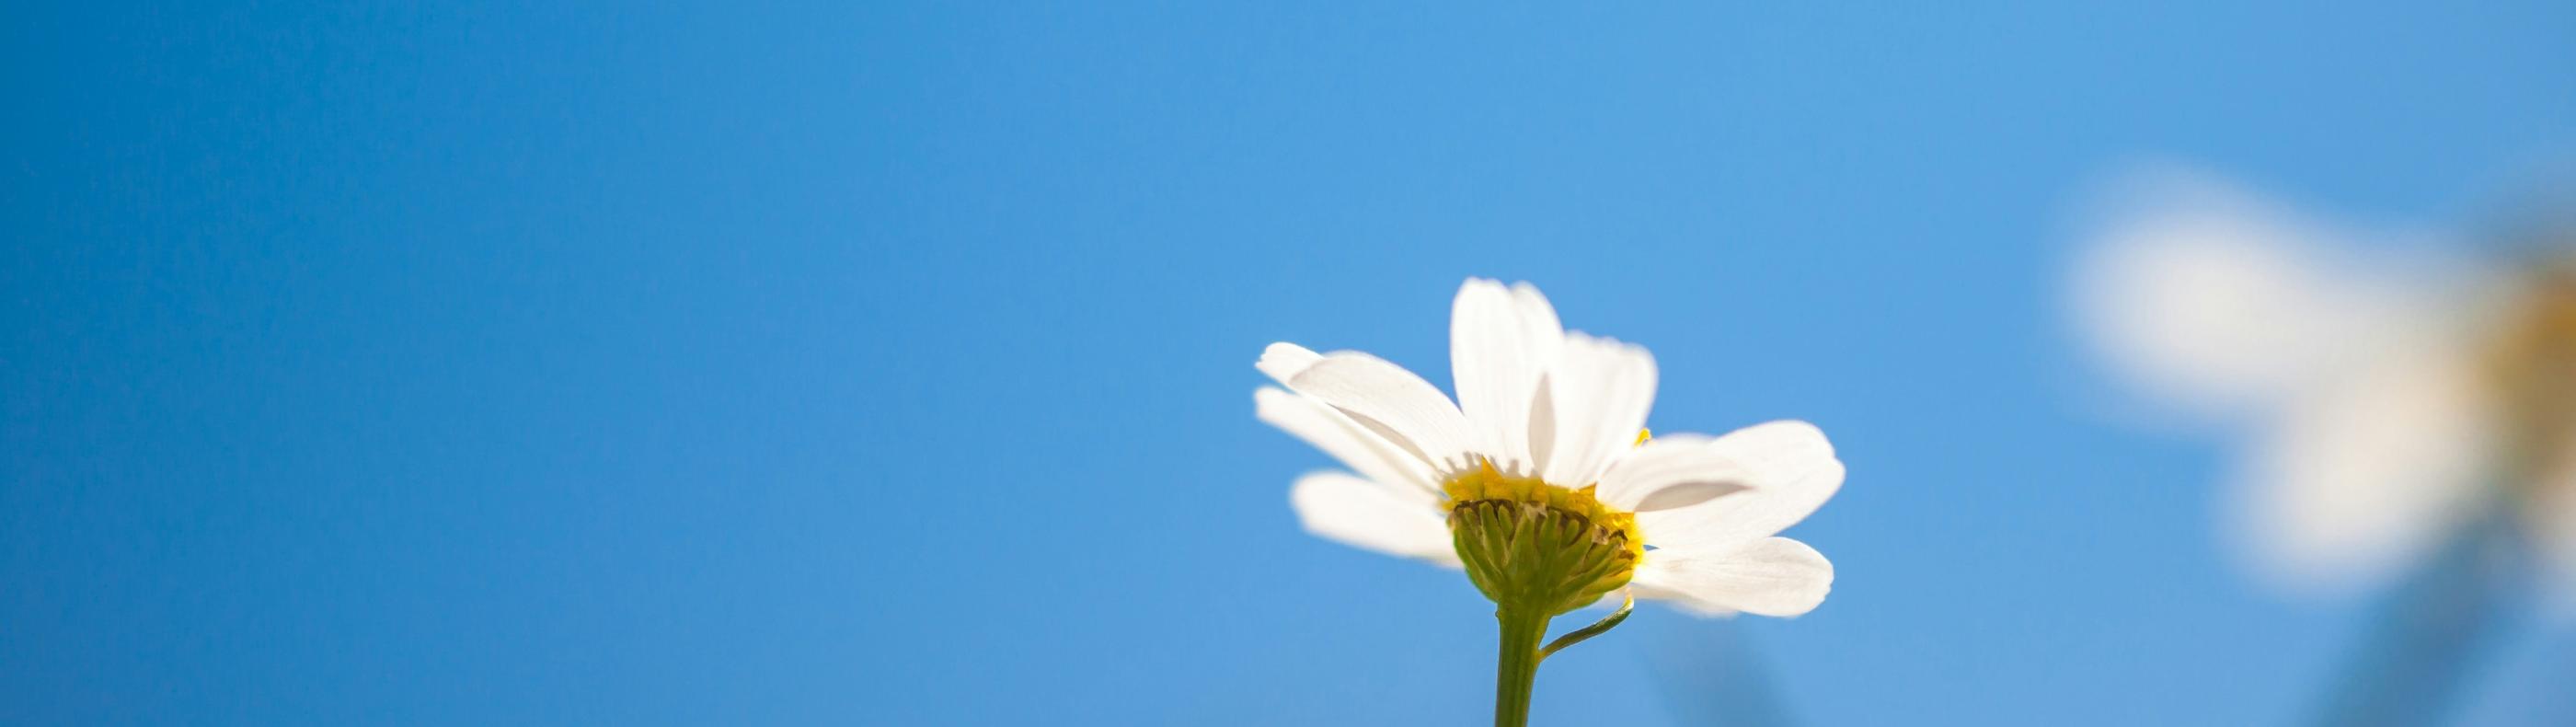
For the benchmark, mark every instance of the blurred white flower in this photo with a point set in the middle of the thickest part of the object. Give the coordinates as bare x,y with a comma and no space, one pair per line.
1542,471
2387,394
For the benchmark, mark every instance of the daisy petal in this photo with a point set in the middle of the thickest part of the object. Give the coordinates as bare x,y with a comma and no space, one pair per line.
1671,471
2373,473
1536,314
1789,470
1345,440
1282,361
1499,338
1391,402
1769,577
1366,515
2217,299
1599,392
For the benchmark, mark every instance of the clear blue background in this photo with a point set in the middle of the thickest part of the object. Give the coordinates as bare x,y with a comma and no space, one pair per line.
891,364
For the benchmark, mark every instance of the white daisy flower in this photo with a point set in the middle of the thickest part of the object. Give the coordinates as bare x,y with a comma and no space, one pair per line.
2389,397
1540,481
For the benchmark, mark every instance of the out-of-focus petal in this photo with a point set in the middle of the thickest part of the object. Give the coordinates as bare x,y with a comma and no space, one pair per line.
1367,515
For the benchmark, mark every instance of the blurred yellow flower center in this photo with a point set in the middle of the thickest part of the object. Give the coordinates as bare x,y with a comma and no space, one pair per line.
1529,544
2532,367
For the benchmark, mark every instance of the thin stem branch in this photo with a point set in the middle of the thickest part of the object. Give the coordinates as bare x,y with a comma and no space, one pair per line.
1578,635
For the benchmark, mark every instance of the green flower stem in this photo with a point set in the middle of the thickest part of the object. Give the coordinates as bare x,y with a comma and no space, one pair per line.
2436,630
1517,671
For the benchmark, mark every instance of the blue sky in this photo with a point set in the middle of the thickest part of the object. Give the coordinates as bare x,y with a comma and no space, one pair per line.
891,364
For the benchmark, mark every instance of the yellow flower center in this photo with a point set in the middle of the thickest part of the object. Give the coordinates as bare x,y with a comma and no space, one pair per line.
1529,544
2531,366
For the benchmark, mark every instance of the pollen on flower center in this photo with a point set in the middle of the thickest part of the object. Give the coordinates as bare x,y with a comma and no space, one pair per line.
1526,543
